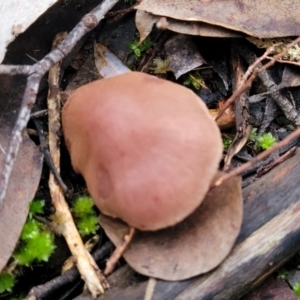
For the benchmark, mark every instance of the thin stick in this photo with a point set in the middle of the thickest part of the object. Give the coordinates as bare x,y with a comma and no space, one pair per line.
47,156
87,267
87,23
150,289
70,276
259,157
15,69
111,262
294,63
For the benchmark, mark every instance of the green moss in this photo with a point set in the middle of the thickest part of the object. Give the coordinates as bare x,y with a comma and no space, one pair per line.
38,247
226,142
30,229
265,141
83,206
137,48
194,80
36,243
85,215
162,66
296,289
7,282
36,207
262,141
88,225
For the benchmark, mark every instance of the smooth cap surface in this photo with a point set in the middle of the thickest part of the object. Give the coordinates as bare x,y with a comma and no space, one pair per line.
147,148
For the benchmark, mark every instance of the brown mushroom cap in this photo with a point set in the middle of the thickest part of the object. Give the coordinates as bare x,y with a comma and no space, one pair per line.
147,148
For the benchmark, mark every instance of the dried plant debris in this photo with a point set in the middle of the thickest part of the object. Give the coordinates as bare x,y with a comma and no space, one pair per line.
183,55
290,77
185,250
108,64
292,54
264,19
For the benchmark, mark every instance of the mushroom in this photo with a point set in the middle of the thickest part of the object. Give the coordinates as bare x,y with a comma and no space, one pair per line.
147,148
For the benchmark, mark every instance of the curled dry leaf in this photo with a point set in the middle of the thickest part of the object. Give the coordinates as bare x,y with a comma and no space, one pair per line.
183,55
144,22
254,17
25,175
195,246
227,119
290,77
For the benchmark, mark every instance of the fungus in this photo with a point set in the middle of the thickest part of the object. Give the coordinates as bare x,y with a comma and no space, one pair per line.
147,148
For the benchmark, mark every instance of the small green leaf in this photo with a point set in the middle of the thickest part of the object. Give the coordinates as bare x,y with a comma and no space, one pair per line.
7,282
138,49
226,142
137,52
193,80
253,135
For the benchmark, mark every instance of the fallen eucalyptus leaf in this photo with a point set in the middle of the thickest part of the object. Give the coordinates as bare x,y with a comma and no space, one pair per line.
262,19
183,55
144,23
195,246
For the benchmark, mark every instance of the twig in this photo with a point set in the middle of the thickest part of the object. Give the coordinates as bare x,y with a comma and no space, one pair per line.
117,15
15,69
39,113
111,262
254,72
259,157
285,61
150,289
37,71
87,267
48,288
47,156
277,162
285,105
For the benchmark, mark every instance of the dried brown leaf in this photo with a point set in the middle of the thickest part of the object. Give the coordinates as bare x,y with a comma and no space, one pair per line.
144,22
192,247
183,55
254,17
